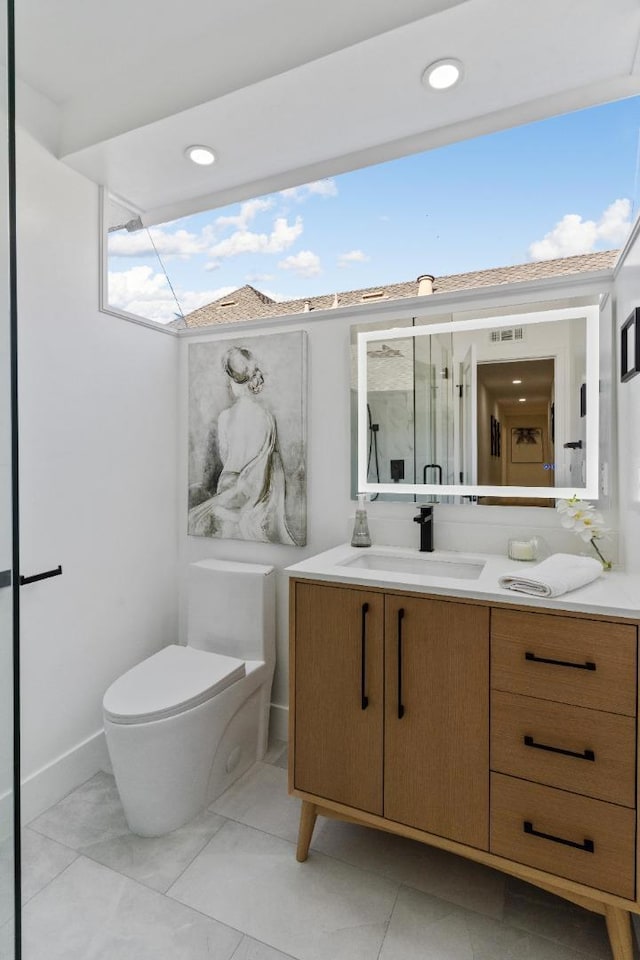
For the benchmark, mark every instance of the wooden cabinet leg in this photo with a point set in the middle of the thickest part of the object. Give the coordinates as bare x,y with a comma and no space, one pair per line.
305,832
619,930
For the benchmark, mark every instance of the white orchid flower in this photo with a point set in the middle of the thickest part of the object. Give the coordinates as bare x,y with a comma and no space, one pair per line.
587,522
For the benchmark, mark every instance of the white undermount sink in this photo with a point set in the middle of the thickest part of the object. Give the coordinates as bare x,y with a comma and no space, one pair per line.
424,566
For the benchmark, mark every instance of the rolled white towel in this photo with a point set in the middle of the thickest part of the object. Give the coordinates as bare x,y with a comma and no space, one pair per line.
556,575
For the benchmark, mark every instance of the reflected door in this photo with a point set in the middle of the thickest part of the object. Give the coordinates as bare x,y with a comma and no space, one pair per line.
469,417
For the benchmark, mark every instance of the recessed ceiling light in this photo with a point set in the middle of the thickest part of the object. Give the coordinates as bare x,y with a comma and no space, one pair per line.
522,399
203,156
443,74
516,381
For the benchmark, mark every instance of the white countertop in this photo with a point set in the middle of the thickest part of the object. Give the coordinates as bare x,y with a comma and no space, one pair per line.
613,594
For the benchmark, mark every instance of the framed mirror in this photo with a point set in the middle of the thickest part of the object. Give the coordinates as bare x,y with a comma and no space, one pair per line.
494,409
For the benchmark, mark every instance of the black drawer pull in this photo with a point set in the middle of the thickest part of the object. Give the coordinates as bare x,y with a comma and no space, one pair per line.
41,576
400,704
585,755
587,845
561,663
364,699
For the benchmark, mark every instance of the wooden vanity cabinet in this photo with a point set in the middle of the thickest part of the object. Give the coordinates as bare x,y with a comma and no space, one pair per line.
393,690
436,735
339,708
503,734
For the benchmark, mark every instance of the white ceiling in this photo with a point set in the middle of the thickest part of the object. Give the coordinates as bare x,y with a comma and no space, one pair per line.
288,92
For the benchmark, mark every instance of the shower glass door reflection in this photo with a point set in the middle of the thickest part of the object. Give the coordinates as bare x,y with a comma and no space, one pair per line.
7,852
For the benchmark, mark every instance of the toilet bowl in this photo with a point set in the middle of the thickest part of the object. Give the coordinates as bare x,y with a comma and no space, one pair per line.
186,722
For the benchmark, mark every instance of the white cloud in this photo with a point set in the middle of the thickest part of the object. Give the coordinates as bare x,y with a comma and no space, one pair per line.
278,297
321,188
248,211
259,277
283,235
138,244
615,222
573,235
324,188
304,264
147,294
192,299
353,256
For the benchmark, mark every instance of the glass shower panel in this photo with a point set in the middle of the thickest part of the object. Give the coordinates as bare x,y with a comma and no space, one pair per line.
434,411
7,853
390,411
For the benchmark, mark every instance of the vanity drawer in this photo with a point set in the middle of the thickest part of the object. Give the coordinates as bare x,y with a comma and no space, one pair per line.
582,839
584,751
589,663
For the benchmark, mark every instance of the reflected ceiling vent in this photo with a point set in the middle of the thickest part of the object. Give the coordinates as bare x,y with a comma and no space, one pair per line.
506,335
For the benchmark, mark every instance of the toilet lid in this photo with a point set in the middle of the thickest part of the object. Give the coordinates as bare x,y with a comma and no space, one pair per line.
169,682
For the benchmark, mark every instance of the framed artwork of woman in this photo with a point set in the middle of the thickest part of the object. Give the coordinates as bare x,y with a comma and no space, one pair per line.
247,439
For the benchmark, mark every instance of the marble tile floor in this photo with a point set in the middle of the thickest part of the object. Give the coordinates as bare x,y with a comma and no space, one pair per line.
228,887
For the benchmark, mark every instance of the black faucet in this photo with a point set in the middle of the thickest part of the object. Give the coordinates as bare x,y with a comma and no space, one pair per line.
425,519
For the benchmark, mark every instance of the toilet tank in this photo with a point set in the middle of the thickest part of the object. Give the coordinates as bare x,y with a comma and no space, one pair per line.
231,609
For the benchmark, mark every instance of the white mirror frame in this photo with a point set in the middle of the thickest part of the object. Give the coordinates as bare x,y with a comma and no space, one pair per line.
589,491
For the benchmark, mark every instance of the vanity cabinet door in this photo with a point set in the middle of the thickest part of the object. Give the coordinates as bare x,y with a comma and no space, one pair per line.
436,756
339,694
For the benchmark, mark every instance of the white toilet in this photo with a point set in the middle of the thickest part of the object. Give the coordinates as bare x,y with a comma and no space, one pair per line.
184,724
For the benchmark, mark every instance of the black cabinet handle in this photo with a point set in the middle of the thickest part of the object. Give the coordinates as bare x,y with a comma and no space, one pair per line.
561,663
41,576
364,699
585,755
587,845
400,704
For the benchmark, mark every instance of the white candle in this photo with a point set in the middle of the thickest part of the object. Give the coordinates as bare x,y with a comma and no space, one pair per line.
521,550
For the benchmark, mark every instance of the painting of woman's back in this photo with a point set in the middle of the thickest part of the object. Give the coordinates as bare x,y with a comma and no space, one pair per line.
247,439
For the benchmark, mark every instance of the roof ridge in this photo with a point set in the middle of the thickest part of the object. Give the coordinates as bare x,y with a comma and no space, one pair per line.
241,303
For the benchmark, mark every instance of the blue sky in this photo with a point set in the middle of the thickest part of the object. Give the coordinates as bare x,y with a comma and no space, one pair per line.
553,188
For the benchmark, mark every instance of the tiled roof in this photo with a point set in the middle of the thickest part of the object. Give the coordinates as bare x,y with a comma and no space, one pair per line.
247,303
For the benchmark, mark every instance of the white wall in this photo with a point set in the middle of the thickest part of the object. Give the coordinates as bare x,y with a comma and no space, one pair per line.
330,509
97,480
626,298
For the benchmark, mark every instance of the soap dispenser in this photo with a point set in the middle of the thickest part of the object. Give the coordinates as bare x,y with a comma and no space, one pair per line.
361,536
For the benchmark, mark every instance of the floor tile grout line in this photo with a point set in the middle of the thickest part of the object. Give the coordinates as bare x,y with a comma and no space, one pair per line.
49,882
61,843
247,936
66,795
292,844
173,900
249,827
388,921
368,870
321,853
206,843
338,859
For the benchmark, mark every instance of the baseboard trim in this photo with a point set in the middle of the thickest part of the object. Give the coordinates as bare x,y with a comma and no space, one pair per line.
54,781
279,722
